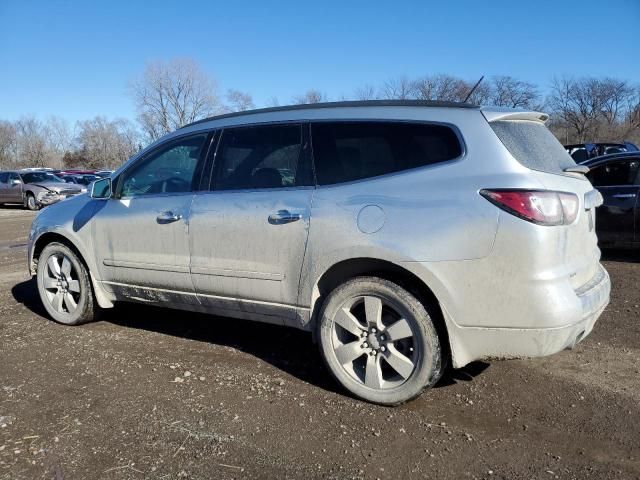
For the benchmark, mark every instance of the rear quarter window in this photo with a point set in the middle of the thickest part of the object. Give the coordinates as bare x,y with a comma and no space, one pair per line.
533,145
348,151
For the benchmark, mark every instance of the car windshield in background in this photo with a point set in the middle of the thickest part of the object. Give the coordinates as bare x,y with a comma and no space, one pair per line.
40,177
533,145
86,179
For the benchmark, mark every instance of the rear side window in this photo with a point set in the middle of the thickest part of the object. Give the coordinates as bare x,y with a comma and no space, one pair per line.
347,151
258,157
4,177
533,145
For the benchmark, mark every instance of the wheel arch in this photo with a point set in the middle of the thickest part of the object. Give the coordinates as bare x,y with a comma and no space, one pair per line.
49,237
344,270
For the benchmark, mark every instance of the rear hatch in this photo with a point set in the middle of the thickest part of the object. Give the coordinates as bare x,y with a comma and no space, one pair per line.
532,144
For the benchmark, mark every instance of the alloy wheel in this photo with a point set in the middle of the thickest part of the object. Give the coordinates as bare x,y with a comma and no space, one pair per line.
374,343
61,284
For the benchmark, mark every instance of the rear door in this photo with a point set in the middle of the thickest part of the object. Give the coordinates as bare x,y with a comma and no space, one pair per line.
617,181
248,232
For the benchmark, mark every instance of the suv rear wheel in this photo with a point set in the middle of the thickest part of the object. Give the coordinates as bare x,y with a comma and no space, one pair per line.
64,286
379,341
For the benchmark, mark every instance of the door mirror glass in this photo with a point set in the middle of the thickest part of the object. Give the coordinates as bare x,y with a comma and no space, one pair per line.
101,189
15,181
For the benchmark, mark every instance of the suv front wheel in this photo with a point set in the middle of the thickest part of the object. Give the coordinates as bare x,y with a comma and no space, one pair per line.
379,341
64,286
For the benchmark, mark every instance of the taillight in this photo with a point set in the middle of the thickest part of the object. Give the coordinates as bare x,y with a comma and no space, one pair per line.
542,207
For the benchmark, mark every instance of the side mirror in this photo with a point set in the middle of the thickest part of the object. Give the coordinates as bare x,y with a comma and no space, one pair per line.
101,189
15,181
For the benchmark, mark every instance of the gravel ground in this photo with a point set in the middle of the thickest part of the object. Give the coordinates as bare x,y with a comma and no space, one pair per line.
150,393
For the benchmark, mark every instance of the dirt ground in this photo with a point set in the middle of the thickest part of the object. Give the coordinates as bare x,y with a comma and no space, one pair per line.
150,393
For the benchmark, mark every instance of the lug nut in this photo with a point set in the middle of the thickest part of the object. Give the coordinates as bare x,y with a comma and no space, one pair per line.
365,345
382,337
373,329
383,348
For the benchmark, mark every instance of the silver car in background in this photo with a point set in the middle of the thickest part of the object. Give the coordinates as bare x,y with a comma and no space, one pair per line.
404,235
34,188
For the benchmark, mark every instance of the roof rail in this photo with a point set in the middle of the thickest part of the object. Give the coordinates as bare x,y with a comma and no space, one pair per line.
356,103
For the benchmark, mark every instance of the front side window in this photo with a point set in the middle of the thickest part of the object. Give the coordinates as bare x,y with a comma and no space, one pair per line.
258,157
169,169
615,173
14,176
347,151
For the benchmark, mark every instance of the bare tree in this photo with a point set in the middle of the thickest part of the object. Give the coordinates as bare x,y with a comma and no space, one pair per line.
366,92
59,139
32,142
172,94
510,92
105,144
399,88
273,102
8,144
238,101
442,87
310,96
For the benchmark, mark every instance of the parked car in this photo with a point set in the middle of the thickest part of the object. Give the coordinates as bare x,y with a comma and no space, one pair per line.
617,177
82,180
34,188
403,234
581,152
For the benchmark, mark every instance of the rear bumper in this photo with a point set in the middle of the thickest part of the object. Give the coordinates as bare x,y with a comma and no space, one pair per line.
477,343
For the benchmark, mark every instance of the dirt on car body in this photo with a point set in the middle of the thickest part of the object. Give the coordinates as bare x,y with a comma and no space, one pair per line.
151,393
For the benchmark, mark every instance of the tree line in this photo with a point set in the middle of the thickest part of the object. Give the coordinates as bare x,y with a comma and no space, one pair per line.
169,95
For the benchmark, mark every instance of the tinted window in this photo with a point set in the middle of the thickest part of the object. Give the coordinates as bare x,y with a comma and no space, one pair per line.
614,173
533,145
347,151
258,157
14,176
170,169
4,177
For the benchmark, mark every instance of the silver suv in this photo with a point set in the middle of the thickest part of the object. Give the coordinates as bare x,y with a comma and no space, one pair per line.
404,235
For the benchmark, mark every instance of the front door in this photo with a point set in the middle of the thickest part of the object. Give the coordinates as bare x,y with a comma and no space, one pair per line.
141,235
248,232
14,188
616,181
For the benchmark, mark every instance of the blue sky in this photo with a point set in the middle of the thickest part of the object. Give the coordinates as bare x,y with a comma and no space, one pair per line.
75,59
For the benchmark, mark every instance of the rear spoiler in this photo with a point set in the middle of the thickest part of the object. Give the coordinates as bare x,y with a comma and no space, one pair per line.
494,113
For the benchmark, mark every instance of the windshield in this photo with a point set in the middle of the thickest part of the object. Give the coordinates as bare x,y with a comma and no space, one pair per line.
40,177
87,179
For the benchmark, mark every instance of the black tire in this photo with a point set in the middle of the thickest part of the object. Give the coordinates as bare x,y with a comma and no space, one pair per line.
30,202
86,308
396,306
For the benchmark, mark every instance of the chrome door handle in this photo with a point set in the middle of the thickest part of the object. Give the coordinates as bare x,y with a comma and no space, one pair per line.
283,216
167,217
624,195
